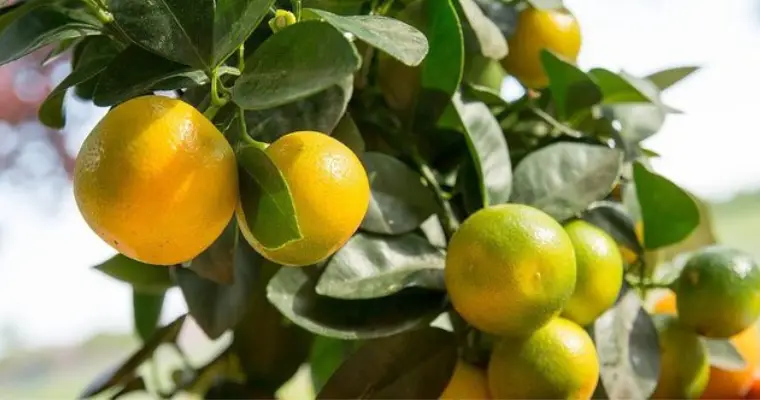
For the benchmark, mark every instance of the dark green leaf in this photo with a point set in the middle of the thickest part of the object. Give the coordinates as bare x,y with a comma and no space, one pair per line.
614,219
504,15
124,372
487,95
413,365
292,292
146,309
546,4
371,266
278,72
327,355
487,36
563,179
200,34
341,7
143,277
136,71
724,355
392,36
348,133
669,77
399,202
217,262
617,89
572,90
669,214
265,200
135,385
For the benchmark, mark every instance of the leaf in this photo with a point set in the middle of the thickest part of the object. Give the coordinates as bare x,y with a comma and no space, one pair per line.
564,178
398,39
413,365
348,133
143,277
399,201
571,89
135,385
504,15
278,72
124,372
136,71
217,262
724,355
146,308
371,266
292,292
326,356
342,7
546,4
669,77
617,89
490,40
201,34
669,214
629,352
614,219
265,199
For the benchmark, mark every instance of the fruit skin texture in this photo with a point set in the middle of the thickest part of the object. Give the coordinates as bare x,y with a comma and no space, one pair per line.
509,269
554,30
558,361
725,384
467,382
684,367
718,292
330,191
156,180
600,272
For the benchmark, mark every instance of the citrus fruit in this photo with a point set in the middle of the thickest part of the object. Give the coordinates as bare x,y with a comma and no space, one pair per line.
555,30
599,269
754,390
156,180
330,193
684,367
400,83
467,382
509,269
558,361
484,71
718,292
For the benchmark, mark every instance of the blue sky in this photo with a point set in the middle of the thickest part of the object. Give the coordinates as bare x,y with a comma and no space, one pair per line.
51,296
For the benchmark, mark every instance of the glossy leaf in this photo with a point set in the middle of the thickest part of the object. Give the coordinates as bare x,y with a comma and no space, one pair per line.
668,77
546,4
326,356
146,310
443,67
571,89
614,219
135,385
278,72
724,355
398,39
617,89
341,7
413,365
143,277
669,214
217,262
292,292
348,133
488,37
399,201
504,15
564,178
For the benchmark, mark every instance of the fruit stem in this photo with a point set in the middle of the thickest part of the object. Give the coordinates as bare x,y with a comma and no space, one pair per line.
651,285
446,214
241,57
217,102
296,9
99,10
243,136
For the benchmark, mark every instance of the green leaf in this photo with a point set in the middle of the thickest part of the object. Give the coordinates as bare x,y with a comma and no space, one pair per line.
400,40
146,309
617,89
217,262
278,72
399,201
125,372
546,4
265,200
614,219
669,77
564,178
292,292
413,365
371,266
487,95
201,34
348,133
724,355
327,355
669,214
478,28
504,15
137,384
341,7
143,277
571,89
135,72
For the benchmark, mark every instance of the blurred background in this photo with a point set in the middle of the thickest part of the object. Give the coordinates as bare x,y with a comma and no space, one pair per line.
61,323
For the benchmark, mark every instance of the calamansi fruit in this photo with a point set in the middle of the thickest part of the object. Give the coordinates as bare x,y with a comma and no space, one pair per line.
718,292
555,30
600,272
330,192
509,269
156,180
684,367
467,382
558,361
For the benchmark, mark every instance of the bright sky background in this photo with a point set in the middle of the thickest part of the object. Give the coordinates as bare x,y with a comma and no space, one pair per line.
51,296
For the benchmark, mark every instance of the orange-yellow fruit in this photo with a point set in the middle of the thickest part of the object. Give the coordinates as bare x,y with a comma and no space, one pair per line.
684,367
467,382
754,390
330,192
156,180
555,30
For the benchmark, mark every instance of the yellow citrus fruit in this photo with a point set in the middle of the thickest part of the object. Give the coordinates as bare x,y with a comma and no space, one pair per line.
156,180
467,382
330,192
600,272
558,361
555,30
718,292
684,367
509,269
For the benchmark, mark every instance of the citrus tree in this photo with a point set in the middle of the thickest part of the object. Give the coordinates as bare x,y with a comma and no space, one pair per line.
340,184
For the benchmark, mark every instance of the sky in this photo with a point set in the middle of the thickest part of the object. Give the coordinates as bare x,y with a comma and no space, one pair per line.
51,296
